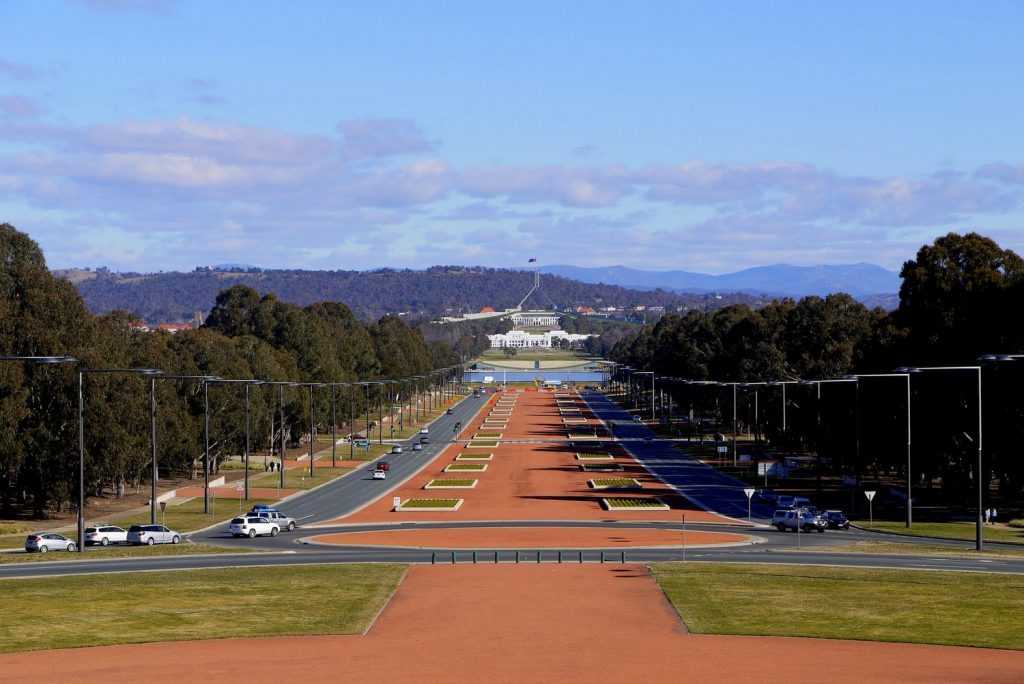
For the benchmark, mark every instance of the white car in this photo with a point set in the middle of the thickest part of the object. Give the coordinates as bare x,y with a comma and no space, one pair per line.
380,474
424,431
253,526
48,541
152,534
104,535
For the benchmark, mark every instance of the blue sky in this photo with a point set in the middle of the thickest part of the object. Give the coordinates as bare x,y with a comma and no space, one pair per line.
164,134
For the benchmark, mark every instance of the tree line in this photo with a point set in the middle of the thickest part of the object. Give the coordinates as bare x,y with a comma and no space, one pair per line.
960,300
247,335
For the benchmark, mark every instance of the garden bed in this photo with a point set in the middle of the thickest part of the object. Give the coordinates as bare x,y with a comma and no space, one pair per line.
634,504
483,444
429,505
488,434
600,467
450,483
593,456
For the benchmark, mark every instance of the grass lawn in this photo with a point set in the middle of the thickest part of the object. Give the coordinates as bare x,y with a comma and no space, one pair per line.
952,530
198,604
189,516
119,552
299,478
967,609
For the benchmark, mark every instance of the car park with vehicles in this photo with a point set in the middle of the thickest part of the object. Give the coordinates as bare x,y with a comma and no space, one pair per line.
836,520
48,541
152,534
253,526
104,535
275,516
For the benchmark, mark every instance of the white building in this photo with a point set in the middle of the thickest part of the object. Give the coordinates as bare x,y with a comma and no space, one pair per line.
535,319
520,339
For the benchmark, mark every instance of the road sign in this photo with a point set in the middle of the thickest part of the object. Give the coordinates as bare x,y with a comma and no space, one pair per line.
871,513
870,494
749,492
396,502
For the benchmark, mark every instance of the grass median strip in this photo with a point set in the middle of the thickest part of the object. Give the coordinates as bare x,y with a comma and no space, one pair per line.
474,457
594,456
174,606
950,530
963,609
465,467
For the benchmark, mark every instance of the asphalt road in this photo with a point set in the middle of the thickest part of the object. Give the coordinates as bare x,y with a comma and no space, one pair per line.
702,484
694,479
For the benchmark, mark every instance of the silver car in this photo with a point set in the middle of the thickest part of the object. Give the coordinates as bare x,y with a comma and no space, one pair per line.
152,534
49,541
104,535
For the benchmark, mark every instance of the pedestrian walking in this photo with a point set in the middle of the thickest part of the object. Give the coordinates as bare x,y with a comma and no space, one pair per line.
994,514
988,515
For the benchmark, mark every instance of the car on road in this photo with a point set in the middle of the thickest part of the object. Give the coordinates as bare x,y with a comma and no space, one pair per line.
417,447
48,541
424,440
784,501
450,412
275,516
383,465
424,430
836,520
380,474
152,534
396,449
104,535
786,519
253,526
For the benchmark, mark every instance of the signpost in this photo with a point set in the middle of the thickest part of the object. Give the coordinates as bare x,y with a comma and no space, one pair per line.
870,494
396,502
163,512
750,493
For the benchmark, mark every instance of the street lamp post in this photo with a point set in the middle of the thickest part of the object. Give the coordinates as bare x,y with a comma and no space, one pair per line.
979,533
910,481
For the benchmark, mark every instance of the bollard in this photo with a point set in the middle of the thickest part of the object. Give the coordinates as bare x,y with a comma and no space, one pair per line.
602,557
517,556
559,556
538,556
623,556
453,558
495,557
433,557
474,558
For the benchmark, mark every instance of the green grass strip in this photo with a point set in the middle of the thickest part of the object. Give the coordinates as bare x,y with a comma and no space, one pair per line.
961,609
127,608
431,503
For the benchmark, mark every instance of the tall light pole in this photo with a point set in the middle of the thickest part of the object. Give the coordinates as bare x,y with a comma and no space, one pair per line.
979,534
910,481
152,429
248,421
82,372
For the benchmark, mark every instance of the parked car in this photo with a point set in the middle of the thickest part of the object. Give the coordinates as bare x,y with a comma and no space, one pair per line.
396,449
152,534
48,541
787,519
104,535
253,526
837,520
275,516
417,447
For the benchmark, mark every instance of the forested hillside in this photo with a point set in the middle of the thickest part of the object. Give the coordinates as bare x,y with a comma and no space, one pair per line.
161,297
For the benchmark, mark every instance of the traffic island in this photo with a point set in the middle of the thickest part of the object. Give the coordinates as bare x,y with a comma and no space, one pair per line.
448,483
474,457
634,504
615,483
429,505
465,468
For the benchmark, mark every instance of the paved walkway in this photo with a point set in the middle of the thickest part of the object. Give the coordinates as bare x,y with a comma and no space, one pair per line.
522,623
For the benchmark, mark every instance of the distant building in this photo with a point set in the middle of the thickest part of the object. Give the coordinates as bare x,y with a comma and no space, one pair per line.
585,310
488,309
534,319
520,339
173,328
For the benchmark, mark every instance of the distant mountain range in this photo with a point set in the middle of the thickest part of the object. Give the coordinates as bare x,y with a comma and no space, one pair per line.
864,281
